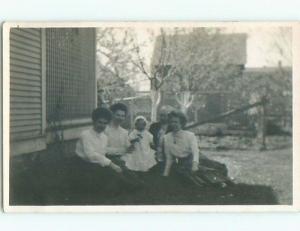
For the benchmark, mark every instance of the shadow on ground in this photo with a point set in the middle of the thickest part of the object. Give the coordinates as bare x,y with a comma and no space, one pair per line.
43,179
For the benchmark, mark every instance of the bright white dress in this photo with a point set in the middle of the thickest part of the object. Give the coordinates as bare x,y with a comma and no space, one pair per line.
142,158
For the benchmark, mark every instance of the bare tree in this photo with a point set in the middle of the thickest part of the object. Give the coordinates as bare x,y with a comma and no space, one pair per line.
280,47
283,44
202,60
157,71
114,62
196,60
120,58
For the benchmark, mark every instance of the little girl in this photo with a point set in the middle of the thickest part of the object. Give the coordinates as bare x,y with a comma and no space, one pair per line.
142,157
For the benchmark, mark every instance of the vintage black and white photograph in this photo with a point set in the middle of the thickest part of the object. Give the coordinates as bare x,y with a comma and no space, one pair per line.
148,114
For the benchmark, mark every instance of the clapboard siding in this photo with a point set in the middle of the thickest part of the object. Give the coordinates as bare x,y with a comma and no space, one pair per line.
26,117
34,31
24,111
26,34
29,54
17,99
25,123
26,58
25,106
25,47
25,76
25,135
25,88
25,70
25,128
26,41
26,93
25,63
25,83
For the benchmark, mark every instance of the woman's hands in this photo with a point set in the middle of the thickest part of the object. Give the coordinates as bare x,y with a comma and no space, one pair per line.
195,166
169,163
115,167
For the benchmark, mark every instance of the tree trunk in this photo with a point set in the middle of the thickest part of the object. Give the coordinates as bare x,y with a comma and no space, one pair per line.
195,115
185,100
183,108
155,100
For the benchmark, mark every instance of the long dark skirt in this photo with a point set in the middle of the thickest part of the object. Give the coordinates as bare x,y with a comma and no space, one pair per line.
86,177
128,175
210,172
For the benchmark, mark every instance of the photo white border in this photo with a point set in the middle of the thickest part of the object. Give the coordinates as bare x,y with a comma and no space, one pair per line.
153,208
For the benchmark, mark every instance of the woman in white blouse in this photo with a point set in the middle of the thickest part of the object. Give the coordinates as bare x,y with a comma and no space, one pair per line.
180,146
182,154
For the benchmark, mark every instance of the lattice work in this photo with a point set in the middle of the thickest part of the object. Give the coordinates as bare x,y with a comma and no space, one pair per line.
70,73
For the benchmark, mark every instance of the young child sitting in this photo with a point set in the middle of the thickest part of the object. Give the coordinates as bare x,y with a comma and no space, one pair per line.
142,157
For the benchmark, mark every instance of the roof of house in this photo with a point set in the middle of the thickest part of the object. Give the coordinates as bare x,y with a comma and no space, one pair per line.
230,47
271,70
276,77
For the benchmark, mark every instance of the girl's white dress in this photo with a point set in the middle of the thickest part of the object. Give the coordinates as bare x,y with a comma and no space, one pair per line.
142,158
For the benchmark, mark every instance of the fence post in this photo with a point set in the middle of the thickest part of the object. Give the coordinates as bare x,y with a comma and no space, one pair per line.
262,125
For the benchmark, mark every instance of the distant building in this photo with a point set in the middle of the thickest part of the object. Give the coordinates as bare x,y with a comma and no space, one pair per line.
276,84
230,48
52,85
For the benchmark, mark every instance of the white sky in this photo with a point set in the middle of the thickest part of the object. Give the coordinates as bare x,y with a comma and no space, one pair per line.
260,43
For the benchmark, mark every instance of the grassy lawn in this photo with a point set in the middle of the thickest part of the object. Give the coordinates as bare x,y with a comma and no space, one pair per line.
271,168
260,177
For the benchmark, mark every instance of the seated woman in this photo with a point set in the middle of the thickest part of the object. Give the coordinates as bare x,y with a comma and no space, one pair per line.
91,170
142,157
118,145
182,155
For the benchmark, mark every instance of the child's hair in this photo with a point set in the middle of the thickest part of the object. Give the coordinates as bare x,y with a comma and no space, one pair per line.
118,106
180,115
140,118
101,113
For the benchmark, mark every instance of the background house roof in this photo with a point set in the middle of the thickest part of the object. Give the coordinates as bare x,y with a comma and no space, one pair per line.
232,48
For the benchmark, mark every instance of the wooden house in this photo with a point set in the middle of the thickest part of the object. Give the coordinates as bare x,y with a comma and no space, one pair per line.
52,85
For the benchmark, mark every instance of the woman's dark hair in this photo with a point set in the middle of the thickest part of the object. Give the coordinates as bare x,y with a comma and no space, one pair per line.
180,115
118,106
101,112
